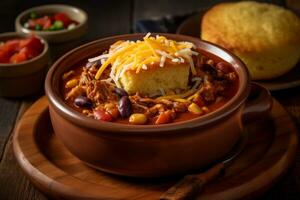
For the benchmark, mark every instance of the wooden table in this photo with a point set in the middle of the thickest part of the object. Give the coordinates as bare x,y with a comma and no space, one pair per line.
110,18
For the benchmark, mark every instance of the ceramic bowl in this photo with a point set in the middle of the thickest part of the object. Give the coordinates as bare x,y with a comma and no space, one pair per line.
26,78
58,36
148,150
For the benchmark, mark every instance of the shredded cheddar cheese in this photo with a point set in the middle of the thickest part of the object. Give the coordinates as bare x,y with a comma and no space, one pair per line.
138,55
179,96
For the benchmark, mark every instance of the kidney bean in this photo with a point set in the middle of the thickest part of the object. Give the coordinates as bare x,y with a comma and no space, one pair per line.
102,115
82,101
125,107
120,92
223,67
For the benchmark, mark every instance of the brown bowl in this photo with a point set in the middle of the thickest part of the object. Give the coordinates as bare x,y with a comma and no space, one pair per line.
147,150
58,36
25,78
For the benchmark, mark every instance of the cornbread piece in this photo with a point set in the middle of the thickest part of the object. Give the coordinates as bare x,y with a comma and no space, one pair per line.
155,64
156,79
266,37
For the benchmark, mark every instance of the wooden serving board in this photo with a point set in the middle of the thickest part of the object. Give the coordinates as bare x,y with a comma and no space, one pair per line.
54,170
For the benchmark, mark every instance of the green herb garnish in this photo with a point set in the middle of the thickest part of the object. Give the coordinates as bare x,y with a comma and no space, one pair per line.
38,27
33,15
57,25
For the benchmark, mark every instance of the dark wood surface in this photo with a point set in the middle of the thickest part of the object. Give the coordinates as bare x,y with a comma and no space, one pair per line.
110,18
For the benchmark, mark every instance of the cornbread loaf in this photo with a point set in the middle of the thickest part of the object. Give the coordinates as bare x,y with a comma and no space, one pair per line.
157,78
266,37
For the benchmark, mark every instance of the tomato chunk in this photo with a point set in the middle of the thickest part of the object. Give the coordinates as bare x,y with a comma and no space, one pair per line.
32,42
4,57
63,18
19,50
18,57
30,52
164,118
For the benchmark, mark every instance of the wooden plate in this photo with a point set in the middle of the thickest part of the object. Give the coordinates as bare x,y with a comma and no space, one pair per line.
53,169
191,26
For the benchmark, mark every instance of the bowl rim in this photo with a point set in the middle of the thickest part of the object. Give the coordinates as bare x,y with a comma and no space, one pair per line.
53,6
57,103
23,36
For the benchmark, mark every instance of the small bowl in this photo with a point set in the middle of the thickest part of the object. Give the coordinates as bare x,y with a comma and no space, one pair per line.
25,78
148,150
58,36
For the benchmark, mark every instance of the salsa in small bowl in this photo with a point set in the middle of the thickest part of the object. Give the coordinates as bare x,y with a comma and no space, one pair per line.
50,22
56,23
23,64
19,50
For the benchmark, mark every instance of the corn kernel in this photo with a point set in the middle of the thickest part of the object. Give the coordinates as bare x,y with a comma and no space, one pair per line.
85,111
195,109
66,75
137,118
110,106
181,100
210,62
71,83
205,109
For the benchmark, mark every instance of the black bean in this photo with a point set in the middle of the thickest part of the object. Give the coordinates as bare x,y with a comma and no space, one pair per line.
82,101
120,92
209,69
125,107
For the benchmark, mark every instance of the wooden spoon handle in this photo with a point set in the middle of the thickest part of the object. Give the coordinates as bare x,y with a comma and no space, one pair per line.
187,188
191,185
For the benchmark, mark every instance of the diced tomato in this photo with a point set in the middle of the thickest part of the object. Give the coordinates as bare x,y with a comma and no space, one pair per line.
164,118
4,57
13,44
64,18
32,42
31,24
45,22
19,50
18,57
10,47
29,52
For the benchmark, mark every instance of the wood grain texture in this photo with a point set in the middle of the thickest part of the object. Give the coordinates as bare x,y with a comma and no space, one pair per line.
269,152
8,112
13,183
11,174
